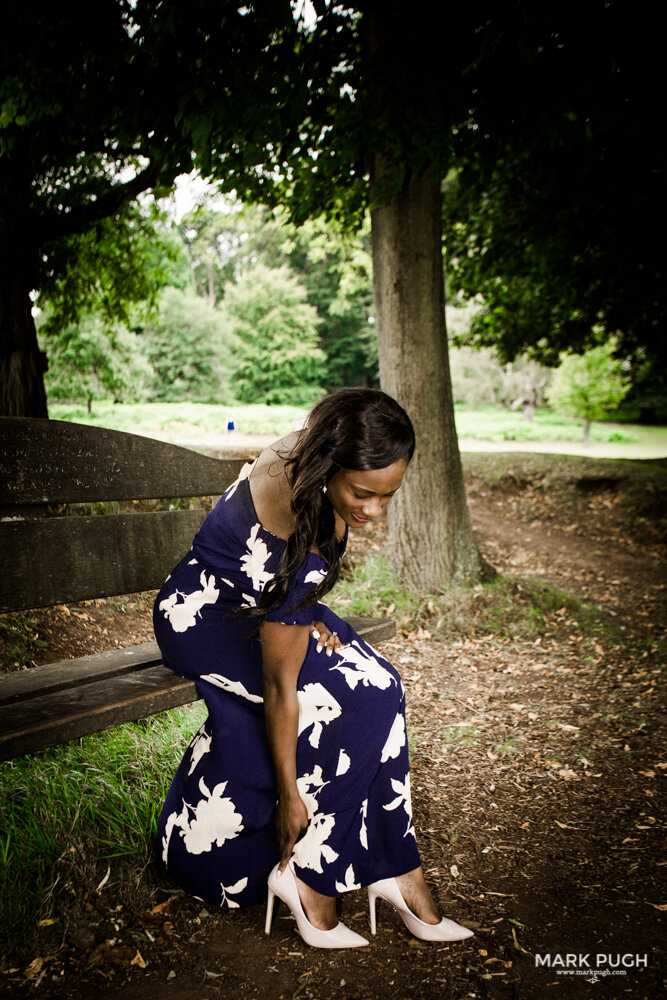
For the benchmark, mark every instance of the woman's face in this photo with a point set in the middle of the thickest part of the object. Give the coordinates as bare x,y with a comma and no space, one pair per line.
359,497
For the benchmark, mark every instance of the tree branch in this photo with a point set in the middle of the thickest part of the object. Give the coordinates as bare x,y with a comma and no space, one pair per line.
54,225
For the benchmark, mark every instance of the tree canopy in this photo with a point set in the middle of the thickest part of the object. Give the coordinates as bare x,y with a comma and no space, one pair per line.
98,103
555,212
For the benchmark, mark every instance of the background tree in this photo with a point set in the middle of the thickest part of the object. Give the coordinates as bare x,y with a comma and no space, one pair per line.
274,329
90,361
189,349
588,385
223,239
98,103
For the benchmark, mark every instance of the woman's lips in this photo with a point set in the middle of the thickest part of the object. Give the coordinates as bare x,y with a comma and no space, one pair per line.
361,520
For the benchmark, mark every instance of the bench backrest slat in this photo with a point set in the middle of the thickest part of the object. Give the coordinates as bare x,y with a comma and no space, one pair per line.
55,461
87,557
51,559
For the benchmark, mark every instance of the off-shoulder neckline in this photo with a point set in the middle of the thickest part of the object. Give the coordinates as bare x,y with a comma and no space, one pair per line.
283,541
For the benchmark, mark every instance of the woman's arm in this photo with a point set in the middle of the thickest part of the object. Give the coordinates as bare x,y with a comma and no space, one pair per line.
283,652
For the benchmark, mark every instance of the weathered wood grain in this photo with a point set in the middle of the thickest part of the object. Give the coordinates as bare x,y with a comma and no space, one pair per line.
59,560
55,461
48,705
52,677
65,715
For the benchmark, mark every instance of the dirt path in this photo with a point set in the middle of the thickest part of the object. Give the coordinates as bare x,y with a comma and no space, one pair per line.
536,767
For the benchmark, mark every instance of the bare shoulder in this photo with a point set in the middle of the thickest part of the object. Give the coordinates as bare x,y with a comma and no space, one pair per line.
270,488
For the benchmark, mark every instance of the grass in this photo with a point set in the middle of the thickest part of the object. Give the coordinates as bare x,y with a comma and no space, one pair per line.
183,421
522,608
69,813
19,640
493,424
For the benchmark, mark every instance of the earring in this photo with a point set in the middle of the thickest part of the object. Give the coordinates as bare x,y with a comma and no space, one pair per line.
324,488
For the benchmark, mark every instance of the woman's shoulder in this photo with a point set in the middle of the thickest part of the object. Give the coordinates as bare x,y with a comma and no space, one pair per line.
270,488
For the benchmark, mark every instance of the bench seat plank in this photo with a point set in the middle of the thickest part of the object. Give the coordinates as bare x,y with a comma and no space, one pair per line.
48,705
64,715
51,677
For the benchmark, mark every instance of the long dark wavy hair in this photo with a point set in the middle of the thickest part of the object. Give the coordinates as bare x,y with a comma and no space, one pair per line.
358,429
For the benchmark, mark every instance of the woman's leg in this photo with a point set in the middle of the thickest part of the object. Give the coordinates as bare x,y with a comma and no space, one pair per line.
417,896
320,910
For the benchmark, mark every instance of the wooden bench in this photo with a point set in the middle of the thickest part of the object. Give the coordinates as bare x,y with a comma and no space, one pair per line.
51,555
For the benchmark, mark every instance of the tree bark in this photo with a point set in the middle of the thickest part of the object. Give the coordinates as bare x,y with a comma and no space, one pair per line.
22,364
431,539
587,432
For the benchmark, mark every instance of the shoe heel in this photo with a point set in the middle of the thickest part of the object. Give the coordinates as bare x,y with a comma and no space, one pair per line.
269,911
372,898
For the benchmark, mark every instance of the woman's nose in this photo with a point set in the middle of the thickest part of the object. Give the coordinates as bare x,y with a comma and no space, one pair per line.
372,507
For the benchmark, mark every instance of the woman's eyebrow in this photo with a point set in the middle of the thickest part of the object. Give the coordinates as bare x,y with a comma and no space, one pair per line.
373,493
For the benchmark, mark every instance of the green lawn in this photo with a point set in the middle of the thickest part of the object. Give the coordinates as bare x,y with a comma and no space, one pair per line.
181,418
185,421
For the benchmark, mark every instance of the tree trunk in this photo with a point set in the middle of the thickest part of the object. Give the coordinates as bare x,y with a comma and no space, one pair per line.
431,539
22,364
587,432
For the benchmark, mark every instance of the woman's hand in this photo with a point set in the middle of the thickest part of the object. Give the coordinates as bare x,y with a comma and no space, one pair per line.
291,819
326,639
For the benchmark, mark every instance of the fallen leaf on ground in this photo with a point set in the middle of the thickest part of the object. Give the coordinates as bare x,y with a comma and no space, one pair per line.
162,907
34,968
104,881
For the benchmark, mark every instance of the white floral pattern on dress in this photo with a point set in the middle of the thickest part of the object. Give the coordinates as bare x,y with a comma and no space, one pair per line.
363,831
343,765
234,687
395,741
317,708
403,798
350,882
231,890
315,576
312,849
214,821
243,474
183,615
360,667
253,562
199,745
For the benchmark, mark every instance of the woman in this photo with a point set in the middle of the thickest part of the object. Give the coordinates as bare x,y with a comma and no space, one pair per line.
300,775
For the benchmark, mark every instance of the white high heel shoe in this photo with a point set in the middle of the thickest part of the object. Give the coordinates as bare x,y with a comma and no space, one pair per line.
284,887
387,889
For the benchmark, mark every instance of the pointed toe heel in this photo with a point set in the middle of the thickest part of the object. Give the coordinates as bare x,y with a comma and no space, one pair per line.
388,890
285,888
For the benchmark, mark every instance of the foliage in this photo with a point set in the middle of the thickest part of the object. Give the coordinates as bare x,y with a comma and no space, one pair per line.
189,349
588,385
557,193
336,270
120,263
97,108
224,240
91,360
274,331
216,237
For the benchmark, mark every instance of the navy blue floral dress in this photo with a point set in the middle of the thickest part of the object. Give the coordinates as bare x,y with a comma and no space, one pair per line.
216,834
